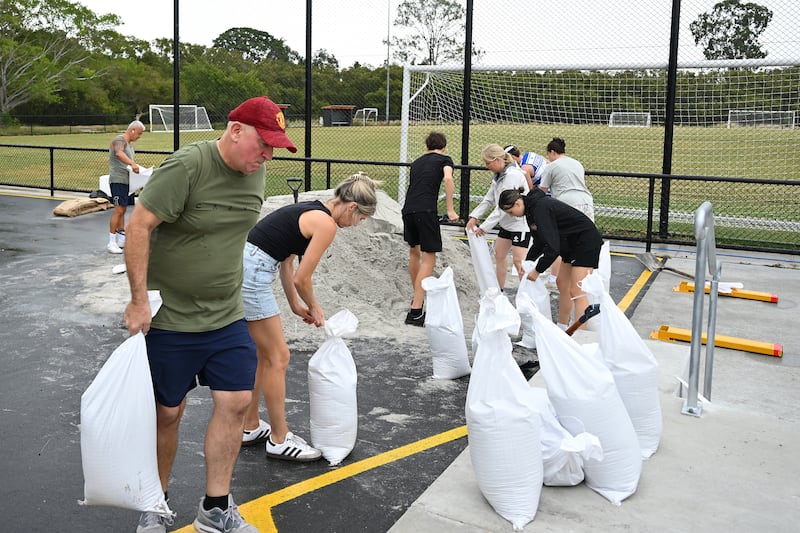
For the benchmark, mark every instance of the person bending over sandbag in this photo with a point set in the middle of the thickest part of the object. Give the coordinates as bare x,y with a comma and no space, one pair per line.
558,230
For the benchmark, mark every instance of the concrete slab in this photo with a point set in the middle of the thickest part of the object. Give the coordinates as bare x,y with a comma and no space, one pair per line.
732,469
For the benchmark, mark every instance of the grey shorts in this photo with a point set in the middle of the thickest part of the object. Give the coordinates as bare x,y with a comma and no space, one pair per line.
260,270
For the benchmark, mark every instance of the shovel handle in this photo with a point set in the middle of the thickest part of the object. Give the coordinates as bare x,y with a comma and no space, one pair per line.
588,313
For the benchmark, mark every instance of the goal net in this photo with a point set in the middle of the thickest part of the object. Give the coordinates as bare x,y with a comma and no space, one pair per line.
761,119
190,118
629,119
365,115
528,105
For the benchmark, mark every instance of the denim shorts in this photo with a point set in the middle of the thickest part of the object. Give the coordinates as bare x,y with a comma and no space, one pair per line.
260,270
223,360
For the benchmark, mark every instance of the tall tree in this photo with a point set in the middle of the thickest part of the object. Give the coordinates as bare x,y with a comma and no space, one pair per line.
433,31
42,43
255,45
731,30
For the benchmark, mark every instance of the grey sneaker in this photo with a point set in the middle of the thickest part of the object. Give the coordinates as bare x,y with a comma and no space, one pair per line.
256,436
222,521
150,522
293,448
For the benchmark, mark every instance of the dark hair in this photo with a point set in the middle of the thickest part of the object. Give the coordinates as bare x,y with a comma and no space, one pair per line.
511,149
557,145
436,141
509,197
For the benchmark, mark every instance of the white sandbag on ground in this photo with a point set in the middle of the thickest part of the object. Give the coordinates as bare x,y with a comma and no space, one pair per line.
332,380
504,430
118,431
562,453
482,263
445,327
538,295
633,365
579,385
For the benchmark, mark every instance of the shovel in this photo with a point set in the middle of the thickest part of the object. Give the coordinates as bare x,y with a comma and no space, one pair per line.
592,310
652,264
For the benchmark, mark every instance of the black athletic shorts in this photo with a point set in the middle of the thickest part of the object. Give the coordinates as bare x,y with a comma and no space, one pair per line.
422,229
120,195
582,255
517,238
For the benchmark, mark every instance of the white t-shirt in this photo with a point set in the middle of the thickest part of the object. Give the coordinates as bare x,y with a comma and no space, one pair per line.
565,180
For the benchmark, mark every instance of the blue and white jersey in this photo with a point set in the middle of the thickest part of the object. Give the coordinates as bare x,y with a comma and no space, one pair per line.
537,162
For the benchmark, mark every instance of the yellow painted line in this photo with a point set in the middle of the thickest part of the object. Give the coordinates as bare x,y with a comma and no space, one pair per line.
258,512
634,291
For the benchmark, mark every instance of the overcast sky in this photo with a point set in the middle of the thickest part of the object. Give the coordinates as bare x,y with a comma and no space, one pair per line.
508,31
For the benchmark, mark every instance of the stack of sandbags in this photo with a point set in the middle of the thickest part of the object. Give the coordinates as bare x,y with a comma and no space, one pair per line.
81,206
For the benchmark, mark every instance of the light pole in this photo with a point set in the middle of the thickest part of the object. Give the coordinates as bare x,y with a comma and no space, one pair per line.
388,68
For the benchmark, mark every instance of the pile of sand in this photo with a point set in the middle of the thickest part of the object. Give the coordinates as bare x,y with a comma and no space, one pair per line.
365,270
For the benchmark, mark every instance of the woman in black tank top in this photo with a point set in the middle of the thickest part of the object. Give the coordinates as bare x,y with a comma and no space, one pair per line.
303,229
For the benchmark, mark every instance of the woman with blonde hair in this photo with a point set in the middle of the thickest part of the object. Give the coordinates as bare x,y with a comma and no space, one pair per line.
302,229
513,233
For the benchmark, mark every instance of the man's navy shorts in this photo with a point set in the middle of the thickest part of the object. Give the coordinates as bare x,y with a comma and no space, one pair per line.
224,360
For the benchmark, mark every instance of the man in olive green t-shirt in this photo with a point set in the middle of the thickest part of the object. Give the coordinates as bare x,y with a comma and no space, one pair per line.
185,239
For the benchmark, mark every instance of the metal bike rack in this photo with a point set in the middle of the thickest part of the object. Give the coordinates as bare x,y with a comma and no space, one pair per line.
706,253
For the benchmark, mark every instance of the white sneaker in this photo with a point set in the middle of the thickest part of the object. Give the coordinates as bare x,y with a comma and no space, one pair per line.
121,239
293,448
113,248
258,435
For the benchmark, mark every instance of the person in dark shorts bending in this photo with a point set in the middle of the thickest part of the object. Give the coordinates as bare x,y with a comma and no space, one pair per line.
421,220
558,230
303,229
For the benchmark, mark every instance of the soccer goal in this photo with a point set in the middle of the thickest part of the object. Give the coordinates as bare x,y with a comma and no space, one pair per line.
191,118
629,119
367,114
761,119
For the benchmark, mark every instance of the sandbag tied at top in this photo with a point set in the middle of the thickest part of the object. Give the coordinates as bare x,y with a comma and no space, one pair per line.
563,454
445,327
580,386
503,428
535,293
632,364
332,380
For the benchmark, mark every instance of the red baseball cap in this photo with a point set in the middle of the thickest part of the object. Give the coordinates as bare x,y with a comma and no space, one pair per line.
267,118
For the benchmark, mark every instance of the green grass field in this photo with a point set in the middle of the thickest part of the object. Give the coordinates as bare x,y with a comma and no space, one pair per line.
740,152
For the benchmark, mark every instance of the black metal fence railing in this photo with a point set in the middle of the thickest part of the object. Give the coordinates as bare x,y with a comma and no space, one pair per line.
750,214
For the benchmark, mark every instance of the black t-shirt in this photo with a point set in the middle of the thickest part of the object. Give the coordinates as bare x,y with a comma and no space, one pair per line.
427,173
279,234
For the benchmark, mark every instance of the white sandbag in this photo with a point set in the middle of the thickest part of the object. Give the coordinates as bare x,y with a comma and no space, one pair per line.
579,385
632,364
504,430
482,262
562,453
445,327
332,380
538,295
118,431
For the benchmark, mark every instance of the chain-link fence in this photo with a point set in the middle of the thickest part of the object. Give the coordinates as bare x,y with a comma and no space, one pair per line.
630,87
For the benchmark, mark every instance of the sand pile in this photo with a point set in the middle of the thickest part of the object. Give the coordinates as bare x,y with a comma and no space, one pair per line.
365,270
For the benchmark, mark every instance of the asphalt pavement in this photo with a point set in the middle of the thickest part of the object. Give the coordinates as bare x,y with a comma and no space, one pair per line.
734,465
